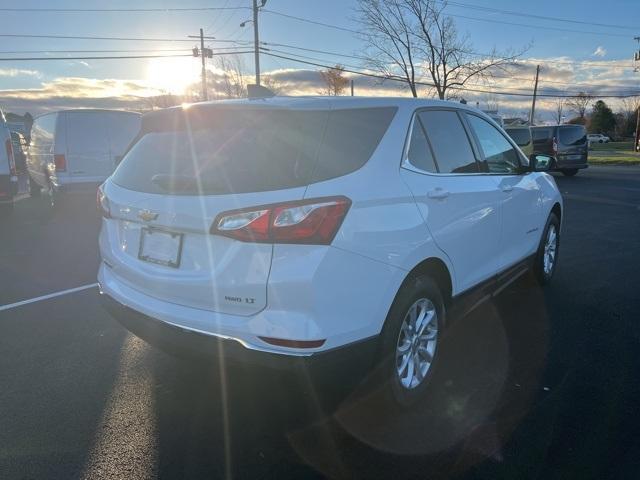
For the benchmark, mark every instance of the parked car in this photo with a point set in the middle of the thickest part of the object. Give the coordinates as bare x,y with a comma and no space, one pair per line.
597,138
522,136
75,149
567,143
310,232
8,174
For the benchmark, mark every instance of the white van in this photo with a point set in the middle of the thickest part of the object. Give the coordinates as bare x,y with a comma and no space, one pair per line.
75,148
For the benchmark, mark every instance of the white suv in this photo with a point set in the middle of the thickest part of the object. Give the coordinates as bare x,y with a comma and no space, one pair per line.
299,230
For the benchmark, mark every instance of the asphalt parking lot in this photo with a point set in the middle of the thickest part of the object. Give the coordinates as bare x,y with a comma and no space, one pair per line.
533,384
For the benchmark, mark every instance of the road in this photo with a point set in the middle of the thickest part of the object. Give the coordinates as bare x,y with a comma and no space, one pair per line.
533,384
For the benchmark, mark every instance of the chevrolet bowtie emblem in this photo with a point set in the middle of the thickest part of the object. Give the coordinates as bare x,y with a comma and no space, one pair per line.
147,215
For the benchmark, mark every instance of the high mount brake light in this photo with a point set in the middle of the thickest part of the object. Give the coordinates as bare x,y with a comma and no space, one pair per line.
315,221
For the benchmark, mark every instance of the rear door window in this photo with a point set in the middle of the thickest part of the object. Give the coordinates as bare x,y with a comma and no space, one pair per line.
222,151
449,141
573,135
541,135
419,153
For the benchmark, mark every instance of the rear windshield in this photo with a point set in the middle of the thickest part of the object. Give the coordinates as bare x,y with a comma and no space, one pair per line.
522,136
241,151
573,135
542,135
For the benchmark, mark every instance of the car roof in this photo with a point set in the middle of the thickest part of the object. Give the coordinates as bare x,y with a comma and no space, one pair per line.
88,110
318,103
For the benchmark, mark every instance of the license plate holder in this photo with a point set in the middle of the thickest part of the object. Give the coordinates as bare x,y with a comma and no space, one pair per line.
160,247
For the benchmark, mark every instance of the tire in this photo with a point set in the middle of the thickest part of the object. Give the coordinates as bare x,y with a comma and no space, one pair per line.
422,294
569,172
34,189
542,271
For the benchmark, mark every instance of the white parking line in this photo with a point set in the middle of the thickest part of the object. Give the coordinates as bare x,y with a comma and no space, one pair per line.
47,297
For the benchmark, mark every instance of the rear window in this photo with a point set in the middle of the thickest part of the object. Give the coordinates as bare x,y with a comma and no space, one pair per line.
573,135
542,135
251,150
522,136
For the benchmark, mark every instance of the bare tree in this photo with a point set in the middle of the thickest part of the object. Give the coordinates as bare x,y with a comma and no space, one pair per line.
558,109
232,84
628,115
579,103
413,40
273,84
335,81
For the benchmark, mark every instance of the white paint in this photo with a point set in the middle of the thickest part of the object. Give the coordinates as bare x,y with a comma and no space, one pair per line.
47,297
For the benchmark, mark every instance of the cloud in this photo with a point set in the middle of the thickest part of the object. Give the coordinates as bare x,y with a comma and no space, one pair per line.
16,72
558,76
599,52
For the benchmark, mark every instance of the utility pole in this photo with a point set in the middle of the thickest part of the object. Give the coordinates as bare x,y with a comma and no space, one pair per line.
256,39
205,97
203,53
352,87
636,139
535,94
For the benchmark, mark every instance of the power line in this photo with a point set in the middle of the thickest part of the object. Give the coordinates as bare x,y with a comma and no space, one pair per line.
132,39
112,57
308,20
428,84
530,15
577,85
538,27
120,10
150,50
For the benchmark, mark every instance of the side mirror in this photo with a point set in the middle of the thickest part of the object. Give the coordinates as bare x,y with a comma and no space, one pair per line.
539,162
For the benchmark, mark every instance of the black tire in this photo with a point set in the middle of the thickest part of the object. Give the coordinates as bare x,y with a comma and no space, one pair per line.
34,189
569,172
542,276
413,290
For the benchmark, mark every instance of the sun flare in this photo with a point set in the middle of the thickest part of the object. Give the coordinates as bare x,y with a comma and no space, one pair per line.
172,75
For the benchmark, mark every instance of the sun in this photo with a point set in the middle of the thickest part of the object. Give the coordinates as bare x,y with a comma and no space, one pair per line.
172,75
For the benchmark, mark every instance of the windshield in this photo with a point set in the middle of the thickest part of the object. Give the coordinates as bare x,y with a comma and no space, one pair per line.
240,151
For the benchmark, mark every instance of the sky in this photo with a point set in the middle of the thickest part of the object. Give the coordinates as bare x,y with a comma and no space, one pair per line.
573,56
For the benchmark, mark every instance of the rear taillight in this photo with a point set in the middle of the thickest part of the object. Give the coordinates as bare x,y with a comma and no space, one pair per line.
12,161
61,163
554,146
314,221
103,203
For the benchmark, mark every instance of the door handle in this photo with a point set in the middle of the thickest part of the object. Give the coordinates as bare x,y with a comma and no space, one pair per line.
438,194
507,188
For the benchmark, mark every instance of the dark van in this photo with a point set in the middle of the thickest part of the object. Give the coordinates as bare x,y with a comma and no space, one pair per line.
567,143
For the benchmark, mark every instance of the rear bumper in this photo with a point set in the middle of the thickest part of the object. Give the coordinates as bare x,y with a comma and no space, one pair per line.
352,360
565,163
